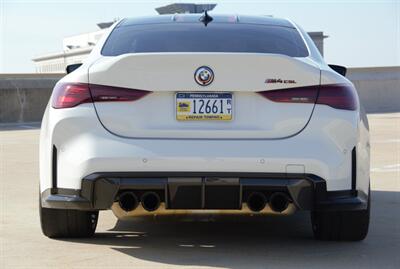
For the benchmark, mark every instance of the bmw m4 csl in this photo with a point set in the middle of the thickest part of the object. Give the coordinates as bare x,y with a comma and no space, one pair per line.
193,113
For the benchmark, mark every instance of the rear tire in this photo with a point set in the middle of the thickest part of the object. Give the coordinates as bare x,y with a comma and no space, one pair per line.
67,223
341,225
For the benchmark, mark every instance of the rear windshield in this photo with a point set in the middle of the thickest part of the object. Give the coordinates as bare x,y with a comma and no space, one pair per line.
195,37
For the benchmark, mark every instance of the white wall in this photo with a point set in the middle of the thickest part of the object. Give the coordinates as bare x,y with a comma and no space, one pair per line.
378,87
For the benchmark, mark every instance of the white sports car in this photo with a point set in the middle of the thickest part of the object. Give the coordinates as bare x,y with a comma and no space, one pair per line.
182,114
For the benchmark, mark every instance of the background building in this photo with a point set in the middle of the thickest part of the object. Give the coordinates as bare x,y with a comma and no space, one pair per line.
318,38
77,48
184,8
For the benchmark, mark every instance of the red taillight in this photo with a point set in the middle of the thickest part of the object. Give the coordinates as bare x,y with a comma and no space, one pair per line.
72,94
340,96
293,95
102,93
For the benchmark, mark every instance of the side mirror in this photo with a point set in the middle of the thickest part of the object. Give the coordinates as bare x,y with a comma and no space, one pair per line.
339,69
72,67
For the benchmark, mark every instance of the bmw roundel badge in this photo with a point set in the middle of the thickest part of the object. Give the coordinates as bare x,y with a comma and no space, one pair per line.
204,76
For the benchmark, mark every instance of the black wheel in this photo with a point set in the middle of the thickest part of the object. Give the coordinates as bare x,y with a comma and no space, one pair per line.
341,225
67,223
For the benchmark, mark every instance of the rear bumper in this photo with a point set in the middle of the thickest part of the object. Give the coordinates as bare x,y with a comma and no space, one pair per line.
74,145
206,190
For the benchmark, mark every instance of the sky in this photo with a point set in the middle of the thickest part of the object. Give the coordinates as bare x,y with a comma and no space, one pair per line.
361,33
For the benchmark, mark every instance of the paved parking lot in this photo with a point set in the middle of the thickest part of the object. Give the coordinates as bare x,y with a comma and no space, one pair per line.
195,242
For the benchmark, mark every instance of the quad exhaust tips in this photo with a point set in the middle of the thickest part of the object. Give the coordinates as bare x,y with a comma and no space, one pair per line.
278,201
256,202
128,201
150,201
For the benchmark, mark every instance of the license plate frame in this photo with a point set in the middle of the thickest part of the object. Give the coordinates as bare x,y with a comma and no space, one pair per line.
225,104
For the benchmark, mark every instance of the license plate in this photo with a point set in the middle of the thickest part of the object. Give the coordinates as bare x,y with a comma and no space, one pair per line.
204,106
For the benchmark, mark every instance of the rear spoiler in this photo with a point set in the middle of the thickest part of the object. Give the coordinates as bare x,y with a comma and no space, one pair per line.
339,69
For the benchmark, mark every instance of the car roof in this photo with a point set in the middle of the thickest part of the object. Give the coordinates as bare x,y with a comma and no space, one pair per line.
194,18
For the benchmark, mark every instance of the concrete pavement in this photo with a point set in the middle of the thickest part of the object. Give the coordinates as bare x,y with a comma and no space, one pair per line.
195,242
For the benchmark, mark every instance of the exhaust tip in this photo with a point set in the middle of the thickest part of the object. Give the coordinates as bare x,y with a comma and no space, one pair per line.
128,201
256,201
151,201
279,201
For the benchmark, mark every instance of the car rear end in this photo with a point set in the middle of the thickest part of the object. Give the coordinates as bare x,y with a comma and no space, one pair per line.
171,115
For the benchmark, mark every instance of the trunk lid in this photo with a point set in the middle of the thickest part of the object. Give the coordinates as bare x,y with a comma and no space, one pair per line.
242,74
